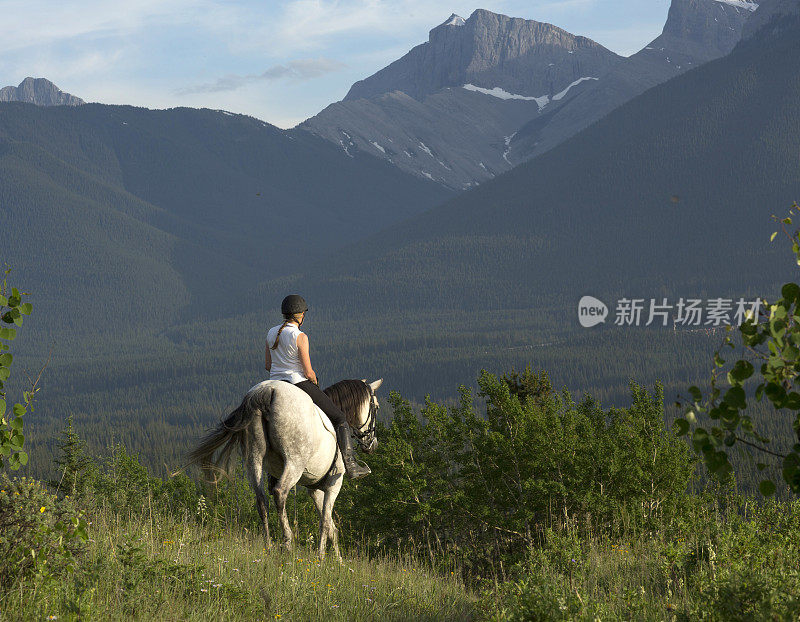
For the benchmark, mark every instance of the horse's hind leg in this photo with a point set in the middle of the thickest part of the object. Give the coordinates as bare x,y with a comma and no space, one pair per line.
330,497
319,501
254,465
290,476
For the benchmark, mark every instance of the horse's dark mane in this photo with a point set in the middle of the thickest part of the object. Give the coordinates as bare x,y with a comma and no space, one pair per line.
348,395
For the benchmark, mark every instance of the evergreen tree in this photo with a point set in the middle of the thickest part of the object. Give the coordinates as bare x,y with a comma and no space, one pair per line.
76,467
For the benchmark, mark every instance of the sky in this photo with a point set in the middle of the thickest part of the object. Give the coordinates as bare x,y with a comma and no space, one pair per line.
280,61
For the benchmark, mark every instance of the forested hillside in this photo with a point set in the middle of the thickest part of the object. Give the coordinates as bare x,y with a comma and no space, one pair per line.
159,215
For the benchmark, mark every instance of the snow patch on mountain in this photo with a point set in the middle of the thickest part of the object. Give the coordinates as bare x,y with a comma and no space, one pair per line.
740,4
425,148
503,94
455,20
507,141
559,96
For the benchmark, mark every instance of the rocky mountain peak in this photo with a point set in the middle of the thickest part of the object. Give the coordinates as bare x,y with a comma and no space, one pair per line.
38,91
489,50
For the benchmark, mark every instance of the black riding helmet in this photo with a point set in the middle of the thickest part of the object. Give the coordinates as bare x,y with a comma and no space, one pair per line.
292,304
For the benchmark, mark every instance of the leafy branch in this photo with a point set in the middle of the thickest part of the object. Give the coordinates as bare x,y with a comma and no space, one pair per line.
775,344
12,439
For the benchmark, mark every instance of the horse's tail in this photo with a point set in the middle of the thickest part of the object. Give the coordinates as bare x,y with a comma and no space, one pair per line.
229,433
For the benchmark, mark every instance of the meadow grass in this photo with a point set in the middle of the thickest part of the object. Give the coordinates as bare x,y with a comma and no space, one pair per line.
742,564
150,564
152,567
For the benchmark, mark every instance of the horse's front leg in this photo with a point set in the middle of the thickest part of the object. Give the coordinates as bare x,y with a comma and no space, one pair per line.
290,476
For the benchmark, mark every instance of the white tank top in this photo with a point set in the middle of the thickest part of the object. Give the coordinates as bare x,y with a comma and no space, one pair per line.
286,357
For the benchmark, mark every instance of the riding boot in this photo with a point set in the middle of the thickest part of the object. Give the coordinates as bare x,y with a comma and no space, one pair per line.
353,468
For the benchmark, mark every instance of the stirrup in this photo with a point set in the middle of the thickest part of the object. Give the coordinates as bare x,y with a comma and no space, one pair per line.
356,469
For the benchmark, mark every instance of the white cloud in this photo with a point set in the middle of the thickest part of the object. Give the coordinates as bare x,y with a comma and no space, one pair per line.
296,70
30,23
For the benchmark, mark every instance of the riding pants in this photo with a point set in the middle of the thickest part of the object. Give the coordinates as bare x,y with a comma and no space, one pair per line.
334,413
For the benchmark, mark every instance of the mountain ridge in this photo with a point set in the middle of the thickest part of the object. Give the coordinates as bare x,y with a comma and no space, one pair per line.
39,91
530,86
448,109
489,50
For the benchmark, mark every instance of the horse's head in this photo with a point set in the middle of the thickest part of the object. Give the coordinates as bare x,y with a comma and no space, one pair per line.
367,417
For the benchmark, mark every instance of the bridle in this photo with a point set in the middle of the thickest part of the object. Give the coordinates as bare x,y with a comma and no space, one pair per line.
367,429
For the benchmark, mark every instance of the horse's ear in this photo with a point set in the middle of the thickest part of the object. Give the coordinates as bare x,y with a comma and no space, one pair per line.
375,385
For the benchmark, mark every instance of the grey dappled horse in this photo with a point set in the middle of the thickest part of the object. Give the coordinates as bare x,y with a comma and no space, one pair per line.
279,430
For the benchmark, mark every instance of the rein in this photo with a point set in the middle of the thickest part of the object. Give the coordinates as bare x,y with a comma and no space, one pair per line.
360,433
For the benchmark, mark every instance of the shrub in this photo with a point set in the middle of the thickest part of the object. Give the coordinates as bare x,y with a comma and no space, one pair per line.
479,486
40,535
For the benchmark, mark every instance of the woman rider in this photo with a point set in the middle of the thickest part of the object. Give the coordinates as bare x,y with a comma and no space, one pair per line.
287,358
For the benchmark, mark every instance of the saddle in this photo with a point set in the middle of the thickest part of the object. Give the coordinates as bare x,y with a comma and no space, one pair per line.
326,423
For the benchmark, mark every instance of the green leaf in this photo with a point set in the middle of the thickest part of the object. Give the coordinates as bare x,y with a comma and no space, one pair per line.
14,462
3,301
8,334
772,237
718,361
717,462
23,458
790,291
2,407
700,439
5,372
761,466
17,424
19,410
696,394
5,359
14,301
767,488
792,401
741,371
735,396
775,393
26,308
791,470
681,426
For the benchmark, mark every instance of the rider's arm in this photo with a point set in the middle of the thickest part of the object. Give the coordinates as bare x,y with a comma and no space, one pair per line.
305,358
267,358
